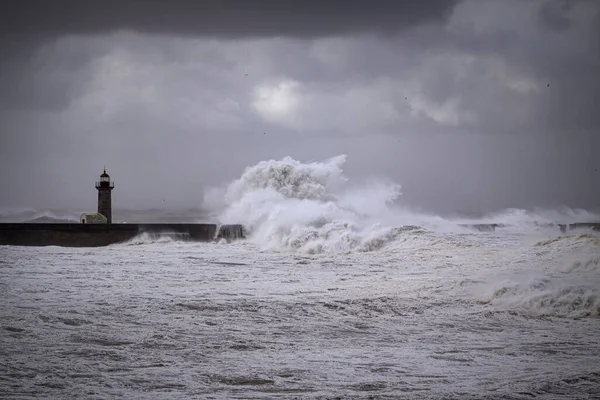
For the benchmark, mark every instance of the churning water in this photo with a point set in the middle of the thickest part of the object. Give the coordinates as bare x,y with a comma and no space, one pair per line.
336,293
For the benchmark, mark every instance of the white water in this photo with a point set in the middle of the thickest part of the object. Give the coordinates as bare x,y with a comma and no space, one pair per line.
337,292
314,208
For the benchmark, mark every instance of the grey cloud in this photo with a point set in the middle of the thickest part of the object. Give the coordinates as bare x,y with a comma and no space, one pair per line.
554,14
27,24
559,66
458,112
225,18
47,77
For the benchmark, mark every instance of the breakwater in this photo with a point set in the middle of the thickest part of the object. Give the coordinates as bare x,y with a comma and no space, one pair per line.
564,228
95,235
482,227
595,226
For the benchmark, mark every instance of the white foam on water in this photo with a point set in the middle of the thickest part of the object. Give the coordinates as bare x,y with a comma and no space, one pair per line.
314,208
340,290
558,277
311,207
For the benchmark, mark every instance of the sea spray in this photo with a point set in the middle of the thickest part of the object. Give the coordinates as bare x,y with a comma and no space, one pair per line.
314,207
286,204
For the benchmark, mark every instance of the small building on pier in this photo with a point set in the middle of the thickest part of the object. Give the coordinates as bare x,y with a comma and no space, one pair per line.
95,218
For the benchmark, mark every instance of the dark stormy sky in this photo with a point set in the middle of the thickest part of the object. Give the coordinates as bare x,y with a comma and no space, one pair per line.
469,105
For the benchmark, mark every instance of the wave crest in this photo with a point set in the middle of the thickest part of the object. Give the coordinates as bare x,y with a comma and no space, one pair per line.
286,204
152,238
291,179
546,297
572,291
313,207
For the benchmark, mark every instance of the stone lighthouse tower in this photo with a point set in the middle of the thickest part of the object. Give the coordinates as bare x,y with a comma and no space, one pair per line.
105,186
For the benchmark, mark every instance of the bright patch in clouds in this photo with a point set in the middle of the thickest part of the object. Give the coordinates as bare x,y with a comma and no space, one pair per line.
444,113
277,102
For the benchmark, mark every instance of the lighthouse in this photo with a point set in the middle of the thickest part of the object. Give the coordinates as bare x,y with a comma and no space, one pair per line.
105,187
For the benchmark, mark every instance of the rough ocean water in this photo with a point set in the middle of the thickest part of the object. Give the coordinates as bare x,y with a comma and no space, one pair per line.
338,292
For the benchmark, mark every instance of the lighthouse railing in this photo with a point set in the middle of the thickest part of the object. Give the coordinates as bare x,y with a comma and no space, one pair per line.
110,185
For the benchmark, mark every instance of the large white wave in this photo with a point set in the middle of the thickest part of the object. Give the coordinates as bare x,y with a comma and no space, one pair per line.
308,206
314,207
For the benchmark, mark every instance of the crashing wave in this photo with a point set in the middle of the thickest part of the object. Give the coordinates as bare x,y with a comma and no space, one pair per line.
313,207
286,204
153,238
572,291
546,297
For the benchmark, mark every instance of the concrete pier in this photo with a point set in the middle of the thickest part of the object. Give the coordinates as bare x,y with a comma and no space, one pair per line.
94,235
230,232
482,227
595,226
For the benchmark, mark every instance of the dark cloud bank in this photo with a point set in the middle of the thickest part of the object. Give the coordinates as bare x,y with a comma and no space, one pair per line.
223,18
470,105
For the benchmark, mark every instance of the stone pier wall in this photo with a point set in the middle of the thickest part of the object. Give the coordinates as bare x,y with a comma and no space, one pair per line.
93,235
